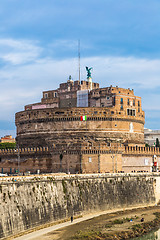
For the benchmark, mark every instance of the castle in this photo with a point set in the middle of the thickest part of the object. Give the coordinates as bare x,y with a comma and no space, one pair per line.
80,127
80,111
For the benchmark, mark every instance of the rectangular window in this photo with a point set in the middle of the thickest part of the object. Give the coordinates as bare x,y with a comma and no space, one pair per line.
133,102
121,107
128,101
55,94
121,100
131,112
89,159
138,103
46,95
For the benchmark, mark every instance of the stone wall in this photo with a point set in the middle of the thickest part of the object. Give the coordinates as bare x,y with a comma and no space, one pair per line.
26,202
40,127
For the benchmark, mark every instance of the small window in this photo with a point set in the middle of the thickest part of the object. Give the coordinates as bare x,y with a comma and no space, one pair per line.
55,94
89,159
138,103
131,112
46,95
121,100
138,109
128,101
121,107
133,102
108,98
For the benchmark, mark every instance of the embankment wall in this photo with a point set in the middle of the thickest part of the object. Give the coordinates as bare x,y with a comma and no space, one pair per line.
26,202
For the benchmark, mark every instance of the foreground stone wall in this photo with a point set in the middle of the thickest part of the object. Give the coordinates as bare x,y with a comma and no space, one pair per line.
26,202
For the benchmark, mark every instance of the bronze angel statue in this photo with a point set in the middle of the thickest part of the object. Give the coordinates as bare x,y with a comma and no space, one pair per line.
88,72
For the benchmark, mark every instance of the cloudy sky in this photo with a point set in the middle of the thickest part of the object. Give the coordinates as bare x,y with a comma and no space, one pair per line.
120,39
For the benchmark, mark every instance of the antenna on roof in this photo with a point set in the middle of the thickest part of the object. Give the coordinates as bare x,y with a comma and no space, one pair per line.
79,59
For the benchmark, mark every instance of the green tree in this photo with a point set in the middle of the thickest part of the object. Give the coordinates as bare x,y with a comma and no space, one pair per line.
157,142
146,145
7,145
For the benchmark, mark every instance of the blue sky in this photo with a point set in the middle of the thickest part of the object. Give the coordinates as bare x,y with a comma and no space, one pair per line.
38,50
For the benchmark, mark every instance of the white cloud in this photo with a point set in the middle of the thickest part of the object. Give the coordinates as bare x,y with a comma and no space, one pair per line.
126,71
18,51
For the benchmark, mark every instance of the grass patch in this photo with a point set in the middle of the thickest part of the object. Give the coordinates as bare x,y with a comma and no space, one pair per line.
118,221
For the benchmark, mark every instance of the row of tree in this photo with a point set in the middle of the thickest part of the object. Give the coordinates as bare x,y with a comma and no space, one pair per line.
7,145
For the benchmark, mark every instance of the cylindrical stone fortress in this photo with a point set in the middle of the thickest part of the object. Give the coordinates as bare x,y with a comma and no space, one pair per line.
40,126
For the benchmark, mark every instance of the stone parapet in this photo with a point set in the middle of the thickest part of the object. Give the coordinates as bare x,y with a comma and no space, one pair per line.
136,150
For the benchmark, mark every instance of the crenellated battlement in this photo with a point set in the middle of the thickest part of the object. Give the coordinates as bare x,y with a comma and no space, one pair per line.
136,150
82,157
86,148
23,150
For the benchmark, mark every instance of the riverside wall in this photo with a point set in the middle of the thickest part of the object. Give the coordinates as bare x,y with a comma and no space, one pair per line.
30,201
